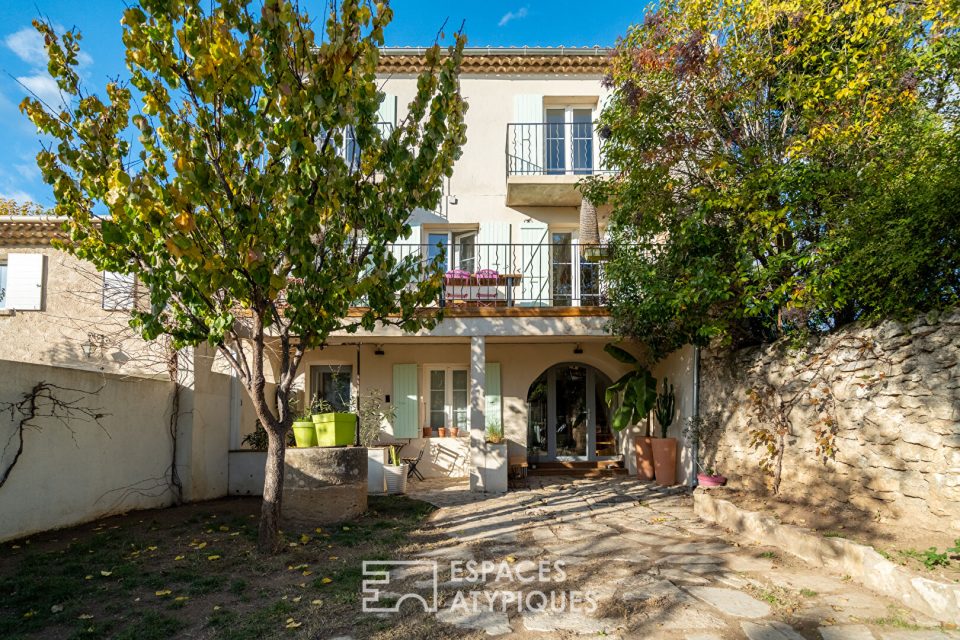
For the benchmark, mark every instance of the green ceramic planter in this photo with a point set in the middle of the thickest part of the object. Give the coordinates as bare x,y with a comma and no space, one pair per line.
335,429
305,434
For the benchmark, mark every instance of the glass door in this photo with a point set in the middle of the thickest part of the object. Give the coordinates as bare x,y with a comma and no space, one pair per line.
571,423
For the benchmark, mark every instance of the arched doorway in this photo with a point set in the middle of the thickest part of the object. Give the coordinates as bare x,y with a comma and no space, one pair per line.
567,416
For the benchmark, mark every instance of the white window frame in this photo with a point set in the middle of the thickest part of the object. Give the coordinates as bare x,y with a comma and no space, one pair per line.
568,109
453,236
448,409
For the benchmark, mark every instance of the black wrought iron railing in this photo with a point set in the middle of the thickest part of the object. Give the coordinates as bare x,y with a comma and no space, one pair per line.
547,148
560,274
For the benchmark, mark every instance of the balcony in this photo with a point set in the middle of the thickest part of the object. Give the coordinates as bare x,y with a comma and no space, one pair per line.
545,160
483,278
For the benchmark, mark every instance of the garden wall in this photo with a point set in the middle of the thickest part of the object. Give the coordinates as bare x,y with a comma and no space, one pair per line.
76,470
894,392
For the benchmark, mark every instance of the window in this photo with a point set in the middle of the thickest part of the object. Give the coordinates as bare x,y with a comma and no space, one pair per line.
119,291
3,284
333,383
459,248
449,398
568,140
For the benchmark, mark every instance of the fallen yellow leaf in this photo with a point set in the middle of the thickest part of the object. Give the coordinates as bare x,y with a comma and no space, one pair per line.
334,557
306,573
180,598
297,599
214,557
304,538
162,592
179,558
201,545
84,616
151,548
106,574
88,577
293,625
326,580
224,528
316,602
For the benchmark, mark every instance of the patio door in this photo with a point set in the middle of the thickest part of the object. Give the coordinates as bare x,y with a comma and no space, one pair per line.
567,418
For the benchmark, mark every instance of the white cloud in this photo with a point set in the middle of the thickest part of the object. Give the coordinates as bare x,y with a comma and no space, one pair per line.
27,44
44,88
512,15
17,195
27,170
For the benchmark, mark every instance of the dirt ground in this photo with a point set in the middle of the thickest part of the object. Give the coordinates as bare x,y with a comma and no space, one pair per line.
900,542
193,571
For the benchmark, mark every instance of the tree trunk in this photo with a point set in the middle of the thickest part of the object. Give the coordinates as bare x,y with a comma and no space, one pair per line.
269,539
589,227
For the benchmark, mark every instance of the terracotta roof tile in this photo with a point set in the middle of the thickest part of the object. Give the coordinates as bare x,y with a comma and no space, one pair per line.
21,231
508,62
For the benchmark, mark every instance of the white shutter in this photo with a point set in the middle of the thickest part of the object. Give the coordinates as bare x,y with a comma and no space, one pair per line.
118,291
533,256
406,401
493,247
25,281
388,110
525,146
600,160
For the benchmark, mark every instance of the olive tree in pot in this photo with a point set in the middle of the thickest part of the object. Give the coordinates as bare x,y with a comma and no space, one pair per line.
631,398
664,448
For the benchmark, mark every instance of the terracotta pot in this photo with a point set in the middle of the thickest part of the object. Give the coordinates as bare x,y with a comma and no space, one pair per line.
427,432
644,457
704,480
665,460
442,431
454,432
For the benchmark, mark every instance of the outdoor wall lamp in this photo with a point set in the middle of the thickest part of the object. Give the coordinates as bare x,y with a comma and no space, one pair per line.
379,350
578,349
95,341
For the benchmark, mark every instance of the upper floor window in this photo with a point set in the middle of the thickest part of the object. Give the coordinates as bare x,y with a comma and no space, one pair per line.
568,140
458,247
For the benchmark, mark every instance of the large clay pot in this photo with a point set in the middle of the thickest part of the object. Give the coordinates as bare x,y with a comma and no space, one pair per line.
665,460
644,457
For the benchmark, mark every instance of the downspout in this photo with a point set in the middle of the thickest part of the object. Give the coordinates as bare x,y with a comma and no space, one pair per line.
356,436
695,447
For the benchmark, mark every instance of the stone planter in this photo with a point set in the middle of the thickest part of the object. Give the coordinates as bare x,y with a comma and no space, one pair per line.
665,460
377,458
245,472
324,485
396,478
492,472
644,451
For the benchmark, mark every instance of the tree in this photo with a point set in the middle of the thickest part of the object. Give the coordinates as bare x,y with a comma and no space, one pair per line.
760,144
244,209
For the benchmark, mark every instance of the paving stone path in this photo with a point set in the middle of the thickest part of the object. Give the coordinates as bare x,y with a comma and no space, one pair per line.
649,565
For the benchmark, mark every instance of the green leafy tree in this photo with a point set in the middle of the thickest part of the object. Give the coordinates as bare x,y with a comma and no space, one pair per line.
236,208
761,145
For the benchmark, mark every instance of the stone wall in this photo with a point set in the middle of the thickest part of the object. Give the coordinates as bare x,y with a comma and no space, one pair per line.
894,391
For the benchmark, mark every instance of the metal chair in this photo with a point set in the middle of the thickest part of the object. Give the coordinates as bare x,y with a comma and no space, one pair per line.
413,462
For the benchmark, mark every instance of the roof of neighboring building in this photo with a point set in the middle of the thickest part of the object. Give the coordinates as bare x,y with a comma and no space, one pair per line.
30,231
509,60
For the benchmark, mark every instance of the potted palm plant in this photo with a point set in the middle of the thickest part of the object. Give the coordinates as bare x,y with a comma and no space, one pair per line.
395,473
631,398
664,448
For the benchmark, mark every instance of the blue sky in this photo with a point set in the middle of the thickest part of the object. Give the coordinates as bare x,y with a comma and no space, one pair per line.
490,23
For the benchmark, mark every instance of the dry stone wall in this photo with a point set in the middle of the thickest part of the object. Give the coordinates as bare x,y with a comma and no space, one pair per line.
894,392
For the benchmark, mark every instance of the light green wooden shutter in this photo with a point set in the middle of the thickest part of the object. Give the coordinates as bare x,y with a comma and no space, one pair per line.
493,251
388,110
526,144
405,401
533,256
492,401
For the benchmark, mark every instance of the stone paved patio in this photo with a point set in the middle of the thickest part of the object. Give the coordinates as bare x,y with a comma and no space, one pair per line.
653,569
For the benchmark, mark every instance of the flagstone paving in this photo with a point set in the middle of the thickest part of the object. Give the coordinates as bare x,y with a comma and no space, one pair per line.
651,567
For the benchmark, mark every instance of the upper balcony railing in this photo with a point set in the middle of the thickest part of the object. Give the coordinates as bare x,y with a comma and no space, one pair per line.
554,149
555,274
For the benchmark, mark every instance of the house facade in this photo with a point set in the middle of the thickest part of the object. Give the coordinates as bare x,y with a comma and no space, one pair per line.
525,317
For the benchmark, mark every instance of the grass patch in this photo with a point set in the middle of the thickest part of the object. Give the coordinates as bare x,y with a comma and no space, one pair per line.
770,555
808,593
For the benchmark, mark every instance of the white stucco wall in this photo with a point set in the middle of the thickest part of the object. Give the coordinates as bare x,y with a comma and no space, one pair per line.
678,368
61,480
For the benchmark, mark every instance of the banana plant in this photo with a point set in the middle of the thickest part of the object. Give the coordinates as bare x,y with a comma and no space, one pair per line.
633,396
